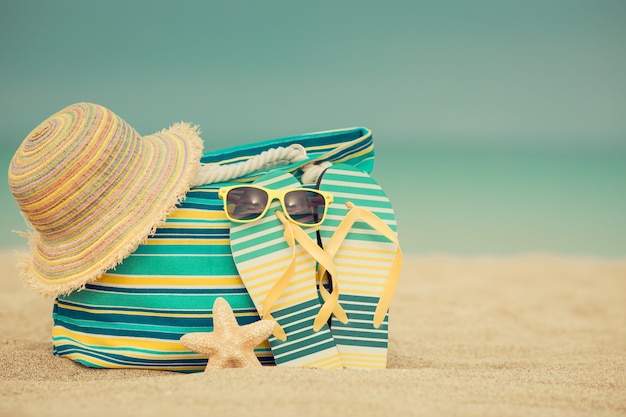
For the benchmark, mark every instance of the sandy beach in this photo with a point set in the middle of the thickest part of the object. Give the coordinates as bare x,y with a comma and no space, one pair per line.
531,335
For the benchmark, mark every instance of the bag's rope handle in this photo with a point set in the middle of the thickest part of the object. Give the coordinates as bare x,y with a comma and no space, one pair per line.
312,171
274,157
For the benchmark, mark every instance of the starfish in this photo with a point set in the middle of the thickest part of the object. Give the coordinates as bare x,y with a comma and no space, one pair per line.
229,345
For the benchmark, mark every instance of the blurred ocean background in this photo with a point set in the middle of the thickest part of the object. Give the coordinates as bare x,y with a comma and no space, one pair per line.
500,126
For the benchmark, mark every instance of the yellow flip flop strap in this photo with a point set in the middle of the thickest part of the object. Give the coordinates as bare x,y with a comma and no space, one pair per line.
331,300
331,305
332,246
277,290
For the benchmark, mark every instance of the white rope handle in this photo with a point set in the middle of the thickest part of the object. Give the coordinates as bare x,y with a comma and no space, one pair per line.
274,157
312,171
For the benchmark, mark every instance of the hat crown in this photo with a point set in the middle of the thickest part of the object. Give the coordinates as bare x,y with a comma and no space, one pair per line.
69,162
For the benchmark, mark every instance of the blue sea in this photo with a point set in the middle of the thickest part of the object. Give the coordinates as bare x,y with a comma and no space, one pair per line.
480,200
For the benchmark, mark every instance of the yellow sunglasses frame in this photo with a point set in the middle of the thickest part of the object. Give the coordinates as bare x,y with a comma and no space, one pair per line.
276,195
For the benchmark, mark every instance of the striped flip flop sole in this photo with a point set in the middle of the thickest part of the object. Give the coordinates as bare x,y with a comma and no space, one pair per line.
262,255
363,262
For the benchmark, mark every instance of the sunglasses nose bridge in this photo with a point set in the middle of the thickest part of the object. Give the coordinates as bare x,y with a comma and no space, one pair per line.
276,195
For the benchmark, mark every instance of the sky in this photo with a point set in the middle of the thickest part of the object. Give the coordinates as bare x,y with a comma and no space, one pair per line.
472,104
498,72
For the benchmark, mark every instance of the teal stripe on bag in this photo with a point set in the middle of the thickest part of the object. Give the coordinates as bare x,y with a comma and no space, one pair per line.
175,266
168,302
131,326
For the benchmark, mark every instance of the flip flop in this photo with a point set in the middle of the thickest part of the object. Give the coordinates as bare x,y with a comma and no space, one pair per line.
280,276
360,235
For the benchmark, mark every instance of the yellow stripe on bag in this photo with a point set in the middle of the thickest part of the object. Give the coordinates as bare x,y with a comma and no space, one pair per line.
193,214
166,241
108,311
114,350
172,281
79,357
355,155
119,341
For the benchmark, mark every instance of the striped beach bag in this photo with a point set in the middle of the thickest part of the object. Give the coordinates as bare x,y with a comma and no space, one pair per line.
135,315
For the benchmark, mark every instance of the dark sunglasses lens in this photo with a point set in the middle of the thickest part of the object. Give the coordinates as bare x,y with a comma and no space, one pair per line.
246,203
306,207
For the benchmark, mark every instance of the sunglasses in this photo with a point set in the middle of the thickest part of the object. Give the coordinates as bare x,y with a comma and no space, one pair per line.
247,203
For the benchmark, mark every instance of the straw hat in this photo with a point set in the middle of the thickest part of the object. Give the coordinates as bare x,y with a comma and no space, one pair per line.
93,189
